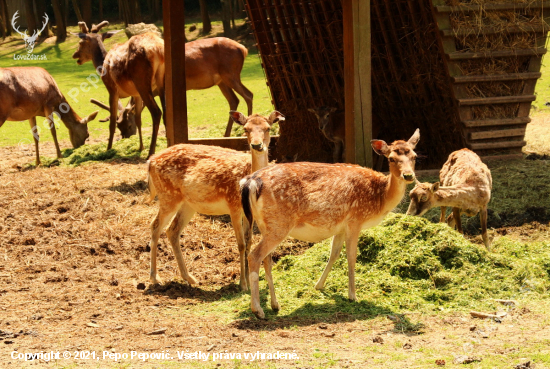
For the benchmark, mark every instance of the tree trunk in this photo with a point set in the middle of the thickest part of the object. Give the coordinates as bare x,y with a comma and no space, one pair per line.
87,11
40,11
206,24
135,11
232,12
77,11
31,16
101,11
61,29
226,18
6,28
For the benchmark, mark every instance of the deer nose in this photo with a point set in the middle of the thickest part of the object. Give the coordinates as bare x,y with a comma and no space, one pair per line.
258,147
409,177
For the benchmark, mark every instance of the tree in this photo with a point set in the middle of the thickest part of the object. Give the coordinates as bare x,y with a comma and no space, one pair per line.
87,11
206,24
226,18
4,21
31,16
130,11
59,13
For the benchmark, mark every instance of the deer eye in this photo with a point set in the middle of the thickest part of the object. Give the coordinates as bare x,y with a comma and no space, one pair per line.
392,160
424,198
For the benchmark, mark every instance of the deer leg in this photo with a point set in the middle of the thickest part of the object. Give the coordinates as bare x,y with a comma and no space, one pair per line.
237,219
113,107
247,95
162,96
36,137
337,152
483,219
351,251
268,264
166,212
456,217
138,109
149,101
233,101
54,135
337,243
443,213
182,218
268,243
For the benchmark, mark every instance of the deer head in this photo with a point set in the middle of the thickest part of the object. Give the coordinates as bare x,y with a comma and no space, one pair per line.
29,40
256,128
323,115
126,119
91,42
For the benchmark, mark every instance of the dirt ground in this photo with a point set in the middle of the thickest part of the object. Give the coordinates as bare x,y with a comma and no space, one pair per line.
74,277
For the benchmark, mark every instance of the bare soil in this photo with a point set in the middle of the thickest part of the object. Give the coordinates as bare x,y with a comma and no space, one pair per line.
74,276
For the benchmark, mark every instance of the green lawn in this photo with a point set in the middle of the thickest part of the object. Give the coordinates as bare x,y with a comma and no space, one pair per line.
207,109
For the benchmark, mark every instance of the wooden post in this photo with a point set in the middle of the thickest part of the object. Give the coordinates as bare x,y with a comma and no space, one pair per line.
357,75
174,59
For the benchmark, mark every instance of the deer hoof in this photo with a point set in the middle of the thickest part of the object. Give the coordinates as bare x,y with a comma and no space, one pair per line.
259,314
191,280
155,280
275,306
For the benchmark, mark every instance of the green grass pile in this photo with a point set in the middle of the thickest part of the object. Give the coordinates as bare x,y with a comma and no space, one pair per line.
409,264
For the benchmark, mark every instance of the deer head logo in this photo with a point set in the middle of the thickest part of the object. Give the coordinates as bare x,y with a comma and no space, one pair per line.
29,40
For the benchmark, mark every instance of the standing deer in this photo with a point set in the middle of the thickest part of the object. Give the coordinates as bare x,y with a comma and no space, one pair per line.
466,185
135,68
313,201
332,124
29,40
191,179
28,92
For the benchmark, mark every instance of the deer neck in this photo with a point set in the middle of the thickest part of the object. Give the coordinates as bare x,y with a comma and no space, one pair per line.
455,196
99,54
395,190
259,159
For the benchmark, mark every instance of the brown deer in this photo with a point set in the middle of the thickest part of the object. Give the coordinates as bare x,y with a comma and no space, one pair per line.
135,68
314,201
28,92
205,179
466,185
126,116
332,124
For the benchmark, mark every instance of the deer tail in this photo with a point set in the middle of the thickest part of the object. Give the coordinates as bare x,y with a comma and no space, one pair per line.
250,191
152,189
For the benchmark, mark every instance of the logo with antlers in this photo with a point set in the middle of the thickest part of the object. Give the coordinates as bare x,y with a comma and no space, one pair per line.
29,40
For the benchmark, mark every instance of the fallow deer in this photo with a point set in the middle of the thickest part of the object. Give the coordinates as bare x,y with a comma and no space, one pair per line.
332,124
466,185
126,116
313,201
191,179
28,92
135,68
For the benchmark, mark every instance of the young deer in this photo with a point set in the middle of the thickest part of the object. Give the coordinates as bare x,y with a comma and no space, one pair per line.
466,185
191,179
135,68
28,92
332,124
313,201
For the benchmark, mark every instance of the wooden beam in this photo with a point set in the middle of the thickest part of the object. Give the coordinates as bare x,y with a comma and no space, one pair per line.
357,75
174,57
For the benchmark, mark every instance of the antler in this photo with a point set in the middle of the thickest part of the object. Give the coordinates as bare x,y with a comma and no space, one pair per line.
96,28
13,19
44,24
100,104
83,27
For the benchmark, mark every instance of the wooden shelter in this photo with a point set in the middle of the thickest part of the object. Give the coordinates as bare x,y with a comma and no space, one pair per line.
463,71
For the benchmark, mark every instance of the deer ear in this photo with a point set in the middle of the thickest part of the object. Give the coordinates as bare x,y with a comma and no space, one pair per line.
414,138
237,117
109,34
275,117
333,109
435,187
89,118
380,147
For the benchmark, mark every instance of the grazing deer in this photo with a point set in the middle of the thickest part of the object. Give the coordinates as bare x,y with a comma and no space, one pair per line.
135,68
126,116
28,92
466,185
191,179
313,201
332,124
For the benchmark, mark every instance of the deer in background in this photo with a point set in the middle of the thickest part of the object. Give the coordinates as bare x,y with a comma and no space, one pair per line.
314,201
126,116
191,179
135,68
332,124
466,185
28,92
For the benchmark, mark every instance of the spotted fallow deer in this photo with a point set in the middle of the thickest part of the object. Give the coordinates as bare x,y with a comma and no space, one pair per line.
466,185
332,124
135,68
191,179
28,92
313,201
